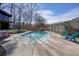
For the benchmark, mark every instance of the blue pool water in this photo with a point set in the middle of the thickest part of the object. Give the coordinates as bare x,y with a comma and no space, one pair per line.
34,36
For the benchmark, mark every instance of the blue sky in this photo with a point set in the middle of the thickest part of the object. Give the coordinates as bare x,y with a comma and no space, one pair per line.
58,12
58,8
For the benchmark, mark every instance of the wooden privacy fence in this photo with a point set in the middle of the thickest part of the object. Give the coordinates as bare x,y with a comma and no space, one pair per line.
58,28
69,26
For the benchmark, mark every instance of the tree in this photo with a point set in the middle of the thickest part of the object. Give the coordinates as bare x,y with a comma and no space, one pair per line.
32,8
40,22
21,13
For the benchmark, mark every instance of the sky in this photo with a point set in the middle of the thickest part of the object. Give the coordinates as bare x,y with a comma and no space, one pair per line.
58,12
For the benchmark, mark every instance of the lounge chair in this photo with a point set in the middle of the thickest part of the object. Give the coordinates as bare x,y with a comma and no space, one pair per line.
71,37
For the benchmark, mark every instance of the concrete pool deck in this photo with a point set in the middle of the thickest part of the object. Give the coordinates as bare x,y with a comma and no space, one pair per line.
54,46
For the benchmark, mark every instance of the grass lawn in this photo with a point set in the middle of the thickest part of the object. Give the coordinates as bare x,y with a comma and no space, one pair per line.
14,31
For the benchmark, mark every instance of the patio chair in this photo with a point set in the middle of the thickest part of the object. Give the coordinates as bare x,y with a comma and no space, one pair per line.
65,35
73,36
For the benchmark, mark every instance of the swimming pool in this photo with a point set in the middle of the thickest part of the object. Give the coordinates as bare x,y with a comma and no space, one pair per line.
34,36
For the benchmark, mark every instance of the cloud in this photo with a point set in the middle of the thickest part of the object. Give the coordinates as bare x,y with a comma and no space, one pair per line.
45,12
71,14
51,18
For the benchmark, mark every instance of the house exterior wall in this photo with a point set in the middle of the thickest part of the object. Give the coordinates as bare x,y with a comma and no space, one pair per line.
4,25
4,20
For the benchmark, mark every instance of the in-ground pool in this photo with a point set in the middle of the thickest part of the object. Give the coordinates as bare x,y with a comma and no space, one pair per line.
34,36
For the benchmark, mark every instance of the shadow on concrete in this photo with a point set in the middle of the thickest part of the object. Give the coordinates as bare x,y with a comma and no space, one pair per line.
54,48
10,48
75,42
8,45
2,51
4,41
